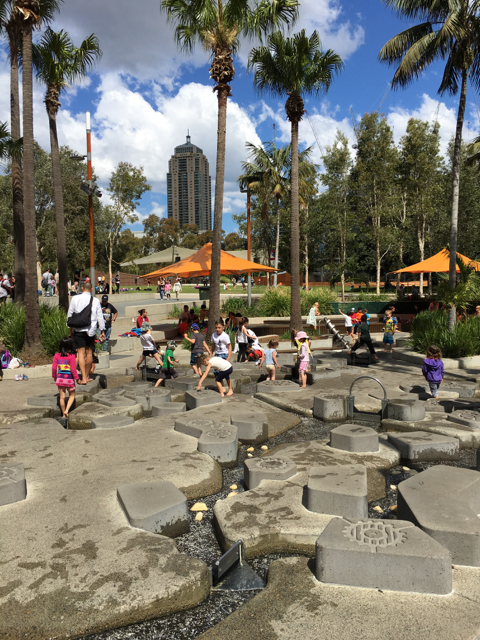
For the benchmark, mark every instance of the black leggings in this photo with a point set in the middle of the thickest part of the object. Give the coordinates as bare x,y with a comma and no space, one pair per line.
242,352
362,342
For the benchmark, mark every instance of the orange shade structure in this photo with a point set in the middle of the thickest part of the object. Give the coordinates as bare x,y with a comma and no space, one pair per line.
200,264
439,263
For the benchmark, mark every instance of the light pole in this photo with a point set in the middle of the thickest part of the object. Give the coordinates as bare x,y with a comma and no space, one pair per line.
90,201
249,246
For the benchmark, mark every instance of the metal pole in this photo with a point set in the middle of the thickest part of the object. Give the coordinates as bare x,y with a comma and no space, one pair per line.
90,202
249,249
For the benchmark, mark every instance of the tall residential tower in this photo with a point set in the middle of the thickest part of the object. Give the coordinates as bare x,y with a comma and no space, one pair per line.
189,190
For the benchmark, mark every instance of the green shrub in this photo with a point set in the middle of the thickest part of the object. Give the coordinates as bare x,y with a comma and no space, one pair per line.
175,312
323,295
431,327
275,303
53,324
235,305
12,327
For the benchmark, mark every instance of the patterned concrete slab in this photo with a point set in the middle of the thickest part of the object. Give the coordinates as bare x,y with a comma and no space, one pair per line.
81,419
13,486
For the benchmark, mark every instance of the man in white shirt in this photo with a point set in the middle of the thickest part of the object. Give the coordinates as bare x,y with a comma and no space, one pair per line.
84,337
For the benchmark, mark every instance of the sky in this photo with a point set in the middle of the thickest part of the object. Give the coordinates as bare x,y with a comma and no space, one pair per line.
144,94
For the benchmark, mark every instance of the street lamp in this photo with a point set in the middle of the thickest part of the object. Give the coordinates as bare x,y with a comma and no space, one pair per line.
249,247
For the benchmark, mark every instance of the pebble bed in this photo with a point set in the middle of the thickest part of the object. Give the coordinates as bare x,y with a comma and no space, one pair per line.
201,542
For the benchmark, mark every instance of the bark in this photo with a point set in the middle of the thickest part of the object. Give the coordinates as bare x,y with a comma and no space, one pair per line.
452,274
277,244
306,253
59,212
214,313
17,178
295,312
379,262
33,338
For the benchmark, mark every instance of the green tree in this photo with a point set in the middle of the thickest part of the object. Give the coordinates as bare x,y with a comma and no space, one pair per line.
58,63
295,67
233,242
448,30
218,25
126,187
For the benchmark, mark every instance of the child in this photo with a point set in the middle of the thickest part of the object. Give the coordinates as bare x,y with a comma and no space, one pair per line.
390,329
270,358
365,313
199,344
221,340
242,340
64,372
364,337
348,324
222,369
168,370
203,315
149,346
432,369
168,288
304,358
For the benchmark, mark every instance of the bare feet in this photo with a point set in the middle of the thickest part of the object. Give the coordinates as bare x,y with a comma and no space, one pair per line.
304,386
230,393
222,395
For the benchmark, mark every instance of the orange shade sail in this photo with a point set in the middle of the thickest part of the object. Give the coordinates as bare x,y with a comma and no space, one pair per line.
439,263
200,264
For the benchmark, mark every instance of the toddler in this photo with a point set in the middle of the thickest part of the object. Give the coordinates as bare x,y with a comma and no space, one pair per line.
64,372
432,369
269,357
304,357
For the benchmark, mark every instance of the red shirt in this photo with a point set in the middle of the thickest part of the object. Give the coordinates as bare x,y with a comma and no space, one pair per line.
141,320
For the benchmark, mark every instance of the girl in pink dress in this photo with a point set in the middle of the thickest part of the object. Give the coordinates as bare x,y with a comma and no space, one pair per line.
64,372
302,338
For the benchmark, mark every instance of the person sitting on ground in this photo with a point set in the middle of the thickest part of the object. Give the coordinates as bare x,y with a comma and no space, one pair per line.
64,372
149,347
168,369
364,337
183,317
269,357
192,317
198,345
142,317
222,369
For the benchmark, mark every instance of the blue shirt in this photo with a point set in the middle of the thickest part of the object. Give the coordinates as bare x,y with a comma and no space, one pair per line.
269,356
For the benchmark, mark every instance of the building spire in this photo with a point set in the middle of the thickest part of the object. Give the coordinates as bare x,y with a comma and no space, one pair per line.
188,136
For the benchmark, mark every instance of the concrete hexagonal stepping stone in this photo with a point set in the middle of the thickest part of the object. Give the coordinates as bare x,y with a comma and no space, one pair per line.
112,422
196,426
137,385
405,410
330,407
158,507
167,408
435,405
252,427
92,387
444,501
118,401
466,418
424,446
185,383
195,399
338,491
463,390
221,443
382,554
109,393
82,417
415,386
13,486
272,468
44,400
354,437
276,386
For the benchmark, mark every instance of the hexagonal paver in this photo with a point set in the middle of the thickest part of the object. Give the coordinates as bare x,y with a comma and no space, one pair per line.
338,491
221,443
139,384
167,408
195,399
118,401
406,410
466,418
13,486
354,438
252,427
185,383
112,422
196,426
45,400
423,446
330,407
276,386
158,507
257,469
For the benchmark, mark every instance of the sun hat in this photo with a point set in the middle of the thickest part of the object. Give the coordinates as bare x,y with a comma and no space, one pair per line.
194,327
300,335
352,309
146,326
171,344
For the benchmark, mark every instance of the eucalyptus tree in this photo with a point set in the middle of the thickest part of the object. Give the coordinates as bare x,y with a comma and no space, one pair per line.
218,25
447,30
58,63
11,19
296,67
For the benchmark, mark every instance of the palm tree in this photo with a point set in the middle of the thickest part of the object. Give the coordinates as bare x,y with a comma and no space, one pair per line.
218,26
58,63
11,26
448,30
295,67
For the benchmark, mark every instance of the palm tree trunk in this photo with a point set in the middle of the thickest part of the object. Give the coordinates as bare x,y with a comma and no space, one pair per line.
214,313
33,338
296,311
277,244
17,187
306,252
59,214
452,273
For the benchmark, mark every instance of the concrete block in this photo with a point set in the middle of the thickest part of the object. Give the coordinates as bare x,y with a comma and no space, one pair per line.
45,400
406,410
278,468
195,426
464,390
82,417
466,418
435,405
118,401
182,383
112,422
423,446
444,501
108,393
92,387
221,443
136,373
322,374
167,408
252,427
418,387
354,437
13,486
276,386
382,554
195,399
158,507
137,385
330,407
360,359
338,491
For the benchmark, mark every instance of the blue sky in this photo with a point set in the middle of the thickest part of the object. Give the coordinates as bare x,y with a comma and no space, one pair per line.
144,94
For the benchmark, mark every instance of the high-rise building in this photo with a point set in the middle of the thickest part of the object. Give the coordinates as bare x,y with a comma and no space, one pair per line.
189,187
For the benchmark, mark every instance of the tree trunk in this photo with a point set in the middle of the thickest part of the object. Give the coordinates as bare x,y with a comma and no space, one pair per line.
421,246
33,338
214,312
277,244
17,186
59,215
306,252
379,262
452,274
296,310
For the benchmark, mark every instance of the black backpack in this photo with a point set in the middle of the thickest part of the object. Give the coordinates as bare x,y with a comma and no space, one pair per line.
81,318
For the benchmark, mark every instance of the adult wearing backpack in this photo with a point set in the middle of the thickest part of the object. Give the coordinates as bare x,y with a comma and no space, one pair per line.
84,316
